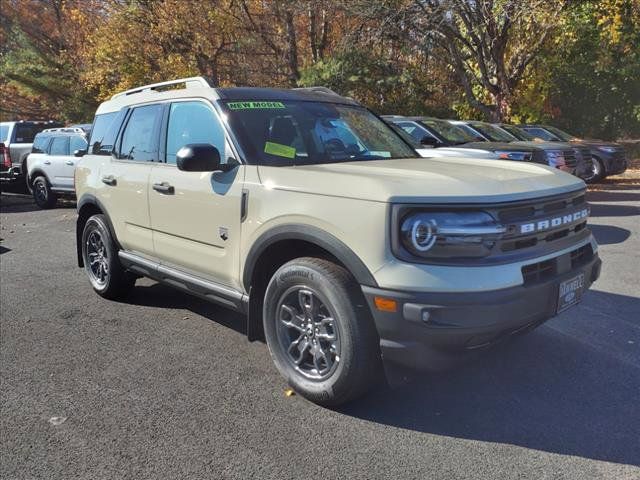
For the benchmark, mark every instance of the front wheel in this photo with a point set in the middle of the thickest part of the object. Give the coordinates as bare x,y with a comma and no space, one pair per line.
319,331
596,172
42,193
100,258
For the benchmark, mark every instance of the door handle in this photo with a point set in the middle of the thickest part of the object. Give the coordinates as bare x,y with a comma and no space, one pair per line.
69,162
109,180
47,162
164,187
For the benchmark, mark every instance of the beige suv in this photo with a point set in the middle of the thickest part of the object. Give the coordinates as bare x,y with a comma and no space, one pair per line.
308,213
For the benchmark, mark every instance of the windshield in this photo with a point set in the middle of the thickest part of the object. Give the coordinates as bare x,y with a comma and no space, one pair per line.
519,134
493,133
564,136
451,133
307,133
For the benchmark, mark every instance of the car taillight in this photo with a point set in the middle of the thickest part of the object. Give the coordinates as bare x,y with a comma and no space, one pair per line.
5,157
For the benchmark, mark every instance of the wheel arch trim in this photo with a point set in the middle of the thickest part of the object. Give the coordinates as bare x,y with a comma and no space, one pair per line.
313,235
86,200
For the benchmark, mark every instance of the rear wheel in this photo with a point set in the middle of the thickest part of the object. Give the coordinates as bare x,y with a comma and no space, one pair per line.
320,332
100,257
42,193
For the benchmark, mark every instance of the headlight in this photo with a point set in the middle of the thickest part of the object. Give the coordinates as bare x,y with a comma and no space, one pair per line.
607,149
509,155
442,235
555,158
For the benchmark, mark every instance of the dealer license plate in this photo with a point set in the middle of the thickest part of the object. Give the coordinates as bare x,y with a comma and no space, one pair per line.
570,292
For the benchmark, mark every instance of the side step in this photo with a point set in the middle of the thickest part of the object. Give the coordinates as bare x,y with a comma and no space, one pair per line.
186,282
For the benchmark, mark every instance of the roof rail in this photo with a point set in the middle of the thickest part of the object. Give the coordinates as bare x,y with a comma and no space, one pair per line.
188,82
319,90
64,129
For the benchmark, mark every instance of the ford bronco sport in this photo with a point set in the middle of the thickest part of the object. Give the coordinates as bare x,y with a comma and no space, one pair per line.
308,213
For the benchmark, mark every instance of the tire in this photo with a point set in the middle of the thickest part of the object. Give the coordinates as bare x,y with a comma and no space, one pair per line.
106,274
597,171
344,362
42,193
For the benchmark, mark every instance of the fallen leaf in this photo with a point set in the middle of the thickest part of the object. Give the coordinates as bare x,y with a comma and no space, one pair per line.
288,392
57,420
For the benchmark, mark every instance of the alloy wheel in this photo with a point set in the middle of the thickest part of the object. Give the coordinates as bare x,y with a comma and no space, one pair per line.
307,333
97,258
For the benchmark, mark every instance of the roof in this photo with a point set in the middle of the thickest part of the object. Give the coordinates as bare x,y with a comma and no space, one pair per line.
199,87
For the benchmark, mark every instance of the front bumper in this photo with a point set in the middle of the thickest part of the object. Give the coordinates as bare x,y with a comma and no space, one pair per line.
11,174
616,166
466,321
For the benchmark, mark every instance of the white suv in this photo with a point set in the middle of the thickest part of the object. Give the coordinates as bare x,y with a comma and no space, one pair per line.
51,163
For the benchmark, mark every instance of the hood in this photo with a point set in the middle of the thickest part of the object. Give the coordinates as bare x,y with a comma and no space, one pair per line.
420,180
508,147
455,152
545,145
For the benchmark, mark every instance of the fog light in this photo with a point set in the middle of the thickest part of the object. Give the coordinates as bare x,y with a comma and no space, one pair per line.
426,316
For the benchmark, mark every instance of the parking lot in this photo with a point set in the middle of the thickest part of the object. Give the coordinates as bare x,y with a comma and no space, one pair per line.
166,386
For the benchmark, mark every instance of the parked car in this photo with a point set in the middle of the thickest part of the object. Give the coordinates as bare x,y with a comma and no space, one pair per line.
427,147
51,163
558,155
441,133
307,212
607,158
583,154
16,139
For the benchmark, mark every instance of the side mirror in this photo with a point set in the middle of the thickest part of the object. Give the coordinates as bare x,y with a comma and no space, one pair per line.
198,157
429,141
79,153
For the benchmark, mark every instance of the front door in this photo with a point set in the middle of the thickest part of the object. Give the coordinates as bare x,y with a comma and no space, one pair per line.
195,216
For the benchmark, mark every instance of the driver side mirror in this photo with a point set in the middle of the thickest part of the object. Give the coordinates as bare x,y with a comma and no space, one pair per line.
198,157
79,153
429,141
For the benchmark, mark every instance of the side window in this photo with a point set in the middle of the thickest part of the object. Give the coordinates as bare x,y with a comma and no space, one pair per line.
59,146
40,144
193,122
139,141
77,143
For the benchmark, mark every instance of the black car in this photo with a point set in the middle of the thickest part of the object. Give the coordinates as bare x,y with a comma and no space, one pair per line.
607,158
441,133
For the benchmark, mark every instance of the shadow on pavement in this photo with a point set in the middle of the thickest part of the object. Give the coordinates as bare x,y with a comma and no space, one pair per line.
162,296
25,203
613,210
547,390
608,234
613,196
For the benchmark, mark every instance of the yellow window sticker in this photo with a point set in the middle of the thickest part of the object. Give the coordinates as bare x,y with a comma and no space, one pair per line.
279,150
254,105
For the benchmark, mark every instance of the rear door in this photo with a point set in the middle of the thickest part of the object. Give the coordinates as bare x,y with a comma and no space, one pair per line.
67,168
195,216
124,175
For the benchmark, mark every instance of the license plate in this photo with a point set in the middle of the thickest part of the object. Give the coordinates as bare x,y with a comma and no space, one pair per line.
570,292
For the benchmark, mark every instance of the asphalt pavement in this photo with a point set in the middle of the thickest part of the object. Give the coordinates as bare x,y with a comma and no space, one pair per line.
166,386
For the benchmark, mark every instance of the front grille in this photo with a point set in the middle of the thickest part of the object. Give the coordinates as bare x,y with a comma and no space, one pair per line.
541,271
570,158
531,225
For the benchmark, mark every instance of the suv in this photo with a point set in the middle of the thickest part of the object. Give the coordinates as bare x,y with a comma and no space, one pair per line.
607,158
583,154
51,163
558,155
305,211
16,139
